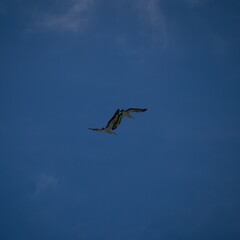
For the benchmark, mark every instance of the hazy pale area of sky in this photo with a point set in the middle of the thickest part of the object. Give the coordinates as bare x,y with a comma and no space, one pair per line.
172,172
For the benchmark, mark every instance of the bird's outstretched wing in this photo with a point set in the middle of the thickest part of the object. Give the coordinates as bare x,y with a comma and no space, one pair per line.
136,110
118,121
113,119
95,129
108,128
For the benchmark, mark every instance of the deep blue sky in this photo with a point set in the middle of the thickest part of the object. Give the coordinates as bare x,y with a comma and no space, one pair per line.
171,173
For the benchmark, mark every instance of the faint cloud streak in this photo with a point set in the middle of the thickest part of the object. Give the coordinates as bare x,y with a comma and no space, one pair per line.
150,27
45,183
150,13
73,17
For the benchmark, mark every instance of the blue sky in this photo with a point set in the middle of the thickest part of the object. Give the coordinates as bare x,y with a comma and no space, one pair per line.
170,173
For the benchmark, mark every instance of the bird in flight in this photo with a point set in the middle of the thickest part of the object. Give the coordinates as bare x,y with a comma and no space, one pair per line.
126,113
116,119
109,127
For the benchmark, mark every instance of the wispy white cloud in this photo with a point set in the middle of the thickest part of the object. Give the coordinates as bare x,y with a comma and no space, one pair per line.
150,14
70,16
44,183
76,15
150,10
150,27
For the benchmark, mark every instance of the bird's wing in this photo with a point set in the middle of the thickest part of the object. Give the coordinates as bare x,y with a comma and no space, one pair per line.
136,110
95,129
118,121
113,119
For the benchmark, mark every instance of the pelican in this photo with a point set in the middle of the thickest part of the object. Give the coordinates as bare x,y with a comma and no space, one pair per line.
126,113
110,124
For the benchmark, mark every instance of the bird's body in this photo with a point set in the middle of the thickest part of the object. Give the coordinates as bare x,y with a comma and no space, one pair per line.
110,124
